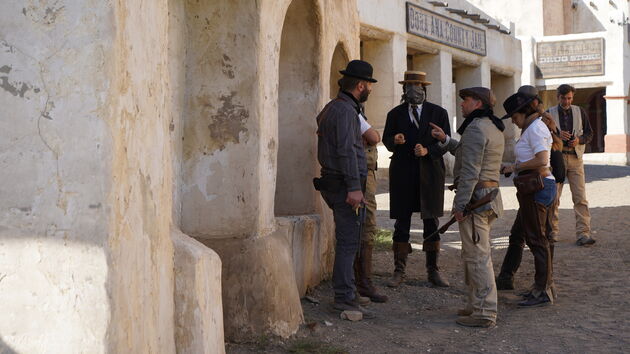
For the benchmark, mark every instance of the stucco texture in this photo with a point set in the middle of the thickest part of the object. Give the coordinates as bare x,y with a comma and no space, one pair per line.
87,259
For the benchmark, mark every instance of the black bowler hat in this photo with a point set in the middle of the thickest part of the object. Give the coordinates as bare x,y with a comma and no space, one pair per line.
359,69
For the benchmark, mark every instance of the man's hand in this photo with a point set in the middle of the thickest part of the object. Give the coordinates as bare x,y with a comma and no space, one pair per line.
506,168
573,142
459,216
420,150
355,198
565,135
399,139
437,133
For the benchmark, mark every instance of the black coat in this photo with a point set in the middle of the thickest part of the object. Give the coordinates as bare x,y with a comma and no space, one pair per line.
416,184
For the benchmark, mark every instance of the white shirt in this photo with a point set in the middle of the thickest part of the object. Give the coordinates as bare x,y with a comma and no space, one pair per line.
364,124
411,117
535,139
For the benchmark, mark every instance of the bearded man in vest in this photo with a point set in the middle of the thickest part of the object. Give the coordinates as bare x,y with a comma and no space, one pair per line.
576,132
416,173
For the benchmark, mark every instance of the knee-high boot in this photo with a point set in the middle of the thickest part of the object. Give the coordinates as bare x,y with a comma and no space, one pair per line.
363,274
433,271
401,251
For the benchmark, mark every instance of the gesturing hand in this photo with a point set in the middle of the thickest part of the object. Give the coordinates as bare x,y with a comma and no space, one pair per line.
399,139
437,133
420,150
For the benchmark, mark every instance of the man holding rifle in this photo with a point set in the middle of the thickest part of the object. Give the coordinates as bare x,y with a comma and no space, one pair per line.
477,164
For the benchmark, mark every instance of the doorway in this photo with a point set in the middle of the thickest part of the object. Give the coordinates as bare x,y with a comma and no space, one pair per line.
298,97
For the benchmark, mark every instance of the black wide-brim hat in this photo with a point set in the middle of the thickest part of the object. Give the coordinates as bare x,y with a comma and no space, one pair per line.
359,69
516,102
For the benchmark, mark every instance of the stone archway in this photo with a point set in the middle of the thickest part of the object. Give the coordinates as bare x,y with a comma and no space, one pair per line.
298,97
338,62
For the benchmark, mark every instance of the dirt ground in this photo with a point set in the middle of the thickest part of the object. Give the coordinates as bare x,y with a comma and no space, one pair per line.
591,314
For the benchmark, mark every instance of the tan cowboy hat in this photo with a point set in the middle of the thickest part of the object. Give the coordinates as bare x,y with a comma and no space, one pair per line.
415,77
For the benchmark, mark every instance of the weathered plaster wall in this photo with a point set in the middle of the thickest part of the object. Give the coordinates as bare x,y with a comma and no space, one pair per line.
230,151
198,305
140,249
87,260
55,167
220,132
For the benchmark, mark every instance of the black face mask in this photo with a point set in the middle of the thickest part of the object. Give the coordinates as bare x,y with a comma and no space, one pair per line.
414,94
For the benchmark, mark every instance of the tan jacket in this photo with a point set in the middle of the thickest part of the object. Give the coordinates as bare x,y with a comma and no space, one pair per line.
478,158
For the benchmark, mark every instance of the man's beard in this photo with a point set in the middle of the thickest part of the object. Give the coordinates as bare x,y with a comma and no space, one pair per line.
363,96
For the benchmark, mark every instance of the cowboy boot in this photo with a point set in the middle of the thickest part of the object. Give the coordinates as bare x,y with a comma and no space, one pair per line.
433,271
363,277
401,250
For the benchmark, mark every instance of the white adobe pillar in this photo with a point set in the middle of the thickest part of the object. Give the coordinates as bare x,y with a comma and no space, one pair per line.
439,69
389,59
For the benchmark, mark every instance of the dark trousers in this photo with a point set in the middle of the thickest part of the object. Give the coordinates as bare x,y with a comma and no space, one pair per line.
530,227
402,226
348,238
517,239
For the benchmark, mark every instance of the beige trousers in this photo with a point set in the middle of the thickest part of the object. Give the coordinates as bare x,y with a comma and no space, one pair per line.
575,176
478,272
369,227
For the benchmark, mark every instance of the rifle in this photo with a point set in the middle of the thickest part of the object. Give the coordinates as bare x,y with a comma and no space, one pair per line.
361,210
469,208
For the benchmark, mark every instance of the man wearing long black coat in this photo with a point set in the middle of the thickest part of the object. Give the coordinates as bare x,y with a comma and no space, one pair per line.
416,173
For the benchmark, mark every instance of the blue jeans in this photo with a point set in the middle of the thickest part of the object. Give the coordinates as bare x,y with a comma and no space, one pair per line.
547,195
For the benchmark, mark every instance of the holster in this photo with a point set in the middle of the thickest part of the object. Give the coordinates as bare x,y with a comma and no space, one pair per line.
329,183
529,182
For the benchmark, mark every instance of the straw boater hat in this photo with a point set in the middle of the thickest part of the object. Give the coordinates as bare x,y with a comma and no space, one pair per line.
415,77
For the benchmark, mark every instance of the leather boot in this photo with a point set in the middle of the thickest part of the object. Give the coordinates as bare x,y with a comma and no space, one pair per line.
433,271
401,250
511,262
363,274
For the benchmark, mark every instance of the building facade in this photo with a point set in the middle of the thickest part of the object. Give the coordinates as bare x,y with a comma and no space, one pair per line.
157,157
584,44
455,43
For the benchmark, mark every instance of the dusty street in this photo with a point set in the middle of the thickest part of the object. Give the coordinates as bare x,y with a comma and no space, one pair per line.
591,313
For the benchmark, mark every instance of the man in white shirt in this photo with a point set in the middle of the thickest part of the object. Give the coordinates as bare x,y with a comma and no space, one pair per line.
363,261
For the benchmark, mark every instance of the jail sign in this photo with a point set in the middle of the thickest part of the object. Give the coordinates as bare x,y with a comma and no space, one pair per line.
441,29
583,57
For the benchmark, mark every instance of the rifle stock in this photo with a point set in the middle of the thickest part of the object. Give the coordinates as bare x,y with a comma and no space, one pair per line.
469,208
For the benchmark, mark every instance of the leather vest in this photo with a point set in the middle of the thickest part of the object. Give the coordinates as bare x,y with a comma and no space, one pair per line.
576,112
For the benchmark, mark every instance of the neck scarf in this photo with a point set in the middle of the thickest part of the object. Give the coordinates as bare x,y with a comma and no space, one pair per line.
479,113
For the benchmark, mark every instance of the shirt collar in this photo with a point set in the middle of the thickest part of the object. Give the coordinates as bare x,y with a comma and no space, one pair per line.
418,107
344,95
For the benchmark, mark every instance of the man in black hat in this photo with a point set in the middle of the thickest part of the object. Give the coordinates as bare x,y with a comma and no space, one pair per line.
416,173
341,155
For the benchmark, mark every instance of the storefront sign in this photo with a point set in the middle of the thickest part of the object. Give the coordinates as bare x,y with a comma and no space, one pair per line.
441,29
584,57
